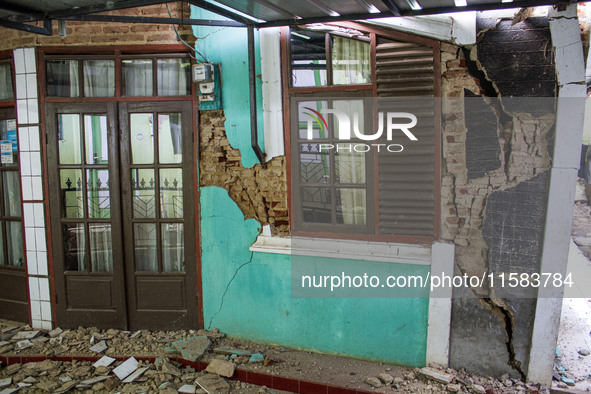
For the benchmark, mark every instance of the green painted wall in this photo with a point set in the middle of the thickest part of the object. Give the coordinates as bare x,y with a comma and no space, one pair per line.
258,303
228,46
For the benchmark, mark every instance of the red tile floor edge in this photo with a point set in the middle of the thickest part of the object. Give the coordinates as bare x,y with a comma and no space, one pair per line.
271,381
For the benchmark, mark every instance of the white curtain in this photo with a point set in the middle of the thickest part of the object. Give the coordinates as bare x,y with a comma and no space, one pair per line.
350,61
350,169
138,77
6,90
99,78
101,247
172,77
173,247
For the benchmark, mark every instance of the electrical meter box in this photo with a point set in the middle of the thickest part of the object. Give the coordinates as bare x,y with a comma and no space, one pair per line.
207,78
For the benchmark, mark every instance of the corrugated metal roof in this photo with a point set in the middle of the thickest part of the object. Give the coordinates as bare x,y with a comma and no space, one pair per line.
259,13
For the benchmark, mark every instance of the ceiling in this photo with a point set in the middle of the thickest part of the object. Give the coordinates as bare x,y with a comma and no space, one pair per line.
18,14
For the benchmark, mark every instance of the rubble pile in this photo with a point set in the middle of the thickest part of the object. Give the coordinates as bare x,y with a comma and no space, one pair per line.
437,379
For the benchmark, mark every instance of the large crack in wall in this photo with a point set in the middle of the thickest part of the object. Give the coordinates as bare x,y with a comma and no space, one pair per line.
260,193
523,155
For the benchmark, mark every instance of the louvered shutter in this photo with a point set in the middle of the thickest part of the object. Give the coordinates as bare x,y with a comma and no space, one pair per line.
406,180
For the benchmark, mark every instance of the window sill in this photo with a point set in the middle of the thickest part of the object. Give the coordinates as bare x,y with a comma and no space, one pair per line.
344,249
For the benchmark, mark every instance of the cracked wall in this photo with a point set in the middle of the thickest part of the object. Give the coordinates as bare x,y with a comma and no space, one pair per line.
260,193
507,61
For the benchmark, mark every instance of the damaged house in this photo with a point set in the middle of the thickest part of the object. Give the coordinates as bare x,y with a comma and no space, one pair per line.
173,165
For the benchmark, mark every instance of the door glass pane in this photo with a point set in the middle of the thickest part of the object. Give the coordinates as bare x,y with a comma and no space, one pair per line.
12,193
70,143
6,89
74,247
308,56
171,192
349,165
62,78
174,77
142,138
99,78
101,247
143,193
9,143
170,139
314,164
145,245
2,262
14,241
351,206
173,247
72,193
97,144
137,76
99,201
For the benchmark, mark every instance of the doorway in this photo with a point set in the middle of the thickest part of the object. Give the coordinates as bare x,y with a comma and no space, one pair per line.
121,187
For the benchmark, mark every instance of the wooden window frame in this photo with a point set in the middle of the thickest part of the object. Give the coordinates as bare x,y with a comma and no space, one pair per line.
289,91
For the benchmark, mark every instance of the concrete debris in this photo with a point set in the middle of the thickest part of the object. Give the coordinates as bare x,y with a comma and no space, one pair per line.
138,372
478,389
453,388
212,383
386,378
126,368
112,383
168,368
568,381
99,347
25,344
373,382
192,348
437,375
8,391
55,332
5,382
65,387
221,367
584,352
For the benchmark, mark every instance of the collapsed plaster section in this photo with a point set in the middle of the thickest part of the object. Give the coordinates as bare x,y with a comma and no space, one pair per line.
521,141
260,193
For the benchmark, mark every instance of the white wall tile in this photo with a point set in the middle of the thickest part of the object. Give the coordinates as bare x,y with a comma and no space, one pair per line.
46,325
29,215
32,263
45,311
34,143
33,110
30,65
37,186
21,86
23,139
36,310
42,268
44,290
39,215
34,288
32,86
19,61
22,112
26,187
40,240
25,158
30,239
35,163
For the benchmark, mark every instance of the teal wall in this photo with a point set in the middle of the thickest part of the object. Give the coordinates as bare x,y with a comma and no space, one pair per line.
258,303
228,46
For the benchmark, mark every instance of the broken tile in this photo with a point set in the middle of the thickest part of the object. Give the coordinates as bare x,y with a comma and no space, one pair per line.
93,381
221,367
23,385
437,375
187,389
256,358
192,348
213,384
126,368
25,344
99,347
11,369
46,365
229,350
135,334
5,382
25,335
55,332
104,361
138,372
65,387
211,334
8,391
